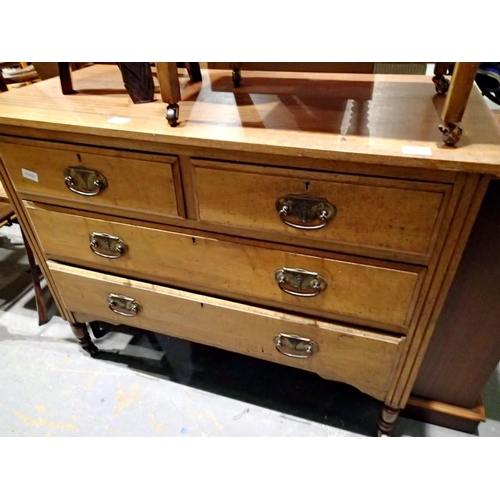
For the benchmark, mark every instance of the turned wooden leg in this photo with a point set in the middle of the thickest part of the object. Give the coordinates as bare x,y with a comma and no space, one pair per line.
65,77
441,83
456,101
82,336
386,421
35,278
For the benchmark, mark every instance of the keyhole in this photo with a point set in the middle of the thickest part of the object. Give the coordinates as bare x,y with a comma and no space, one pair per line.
307,185
193,240
79,157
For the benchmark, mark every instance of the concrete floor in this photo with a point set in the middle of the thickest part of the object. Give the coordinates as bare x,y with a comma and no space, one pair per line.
152,385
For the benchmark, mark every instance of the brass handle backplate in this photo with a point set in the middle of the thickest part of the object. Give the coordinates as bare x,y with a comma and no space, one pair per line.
294,346
84,181
124,306
304,212
107,245
300,282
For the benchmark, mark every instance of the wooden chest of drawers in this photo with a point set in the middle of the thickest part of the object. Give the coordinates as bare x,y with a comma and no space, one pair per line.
274,229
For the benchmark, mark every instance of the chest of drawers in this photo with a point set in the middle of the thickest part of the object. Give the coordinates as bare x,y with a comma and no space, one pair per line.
293,224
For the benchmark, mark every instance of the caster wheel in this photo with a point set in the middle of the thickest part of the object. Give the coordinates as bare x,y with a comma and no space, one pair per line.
236,77
451,133
172,115
441,84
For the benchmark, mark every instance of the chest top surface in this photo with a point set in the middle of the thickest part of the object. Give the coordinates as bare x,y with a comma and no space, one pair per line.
384,119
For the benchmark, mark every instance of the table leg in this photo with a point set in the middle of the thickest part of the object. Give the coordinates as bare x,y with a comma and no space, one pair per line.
194,71
35,278
236,74
456,101
65,77
170,90
441,83
82,336
387,419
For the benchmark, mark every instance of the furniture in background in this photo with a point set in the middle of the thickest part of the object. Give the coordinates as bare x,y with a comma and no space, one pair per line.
7,218
138,81
16,73
457,95
306,67
267,230
454,107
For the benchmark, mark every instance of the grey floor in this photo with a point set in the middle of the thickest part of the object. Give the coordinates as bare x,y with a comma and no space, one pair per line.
152,385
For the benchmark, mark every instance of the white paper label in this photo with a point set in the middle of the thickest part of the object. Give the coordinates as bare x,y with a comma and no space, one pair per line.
32,176
417,150
119,120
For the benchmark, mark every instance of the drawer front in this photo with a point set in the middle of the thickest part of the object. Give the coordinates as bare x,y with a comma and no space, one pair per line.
371,294
363,359
102,181
317,208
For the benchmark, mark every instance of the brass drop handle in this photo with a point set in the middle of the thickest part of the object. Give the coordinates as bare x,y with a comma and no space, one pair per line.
124,306
84,181
294,346
300,282
107,246
305,212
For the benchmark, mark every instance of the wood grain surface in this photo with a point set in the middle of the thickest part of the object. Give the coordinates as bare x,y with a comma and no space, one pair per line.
366,118
361,358
142,183
457,365
372,292
370,212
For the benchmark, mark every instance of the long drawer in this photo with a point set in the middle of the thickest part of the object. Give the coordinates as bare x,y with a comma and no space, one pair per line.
364,292
102,180
363,359
356,213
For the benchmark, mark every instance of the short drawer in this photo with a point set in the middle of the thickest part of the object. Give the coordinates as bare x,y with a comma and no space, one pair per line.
102,180
363,291
359,214
363,359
